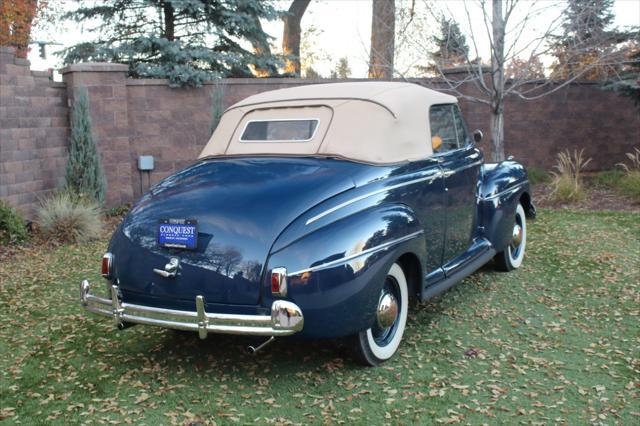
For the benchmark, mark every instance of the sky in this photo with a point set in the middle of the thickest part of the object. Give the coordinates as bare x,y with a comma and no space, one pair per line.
342,28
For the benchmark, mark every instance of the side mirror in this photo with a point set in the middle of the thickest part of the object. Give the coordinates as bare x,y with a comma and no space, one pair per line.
477,135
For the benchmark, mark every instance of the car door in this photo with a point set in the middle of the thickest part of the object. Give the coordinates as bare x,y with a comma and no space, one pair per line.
460,161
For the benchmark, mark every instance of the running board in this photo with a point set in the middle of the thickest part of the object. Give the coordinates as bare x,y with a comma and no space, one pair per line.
441,286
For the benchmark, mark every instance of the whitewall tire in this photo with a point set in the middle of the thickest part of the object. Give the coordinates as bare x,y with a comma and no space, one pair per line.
511,258
380,342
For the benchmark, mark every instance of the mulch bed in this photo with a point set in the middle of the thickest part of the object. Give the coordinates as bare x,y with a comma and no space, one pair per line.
38,239
597,199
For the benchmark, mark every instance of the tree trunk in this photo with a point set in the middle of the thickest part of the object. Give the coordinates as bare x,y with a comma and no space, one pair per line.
497,135
261,48
383,28
169,21
291,36
497,81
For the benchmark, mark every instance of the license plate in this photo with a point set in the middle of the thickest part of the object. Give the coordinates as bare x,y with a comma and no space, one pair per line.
178,233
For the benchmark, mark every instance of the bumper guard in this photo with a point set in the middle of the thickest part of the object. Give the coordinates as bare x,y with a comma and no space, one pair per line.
285,319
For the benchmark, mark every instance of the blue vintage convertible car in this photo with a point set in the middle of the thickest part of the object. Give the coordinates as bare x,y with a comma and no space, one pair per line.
317,211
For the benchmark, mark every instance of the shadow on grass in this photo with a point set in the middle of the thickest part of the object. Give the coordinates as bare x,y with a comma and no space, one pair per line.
176,350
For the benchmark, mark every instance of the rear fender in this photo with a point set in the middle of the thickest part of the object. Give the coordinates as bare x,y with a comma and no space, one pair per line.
335,273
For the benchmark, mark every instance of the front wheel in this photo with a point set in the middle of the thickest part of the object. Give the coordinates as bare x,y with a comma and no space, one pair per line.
380,342
511,258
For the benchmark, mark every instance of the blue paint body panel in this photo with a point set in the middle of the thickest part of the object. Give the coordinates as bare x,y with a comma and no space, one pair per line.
336,225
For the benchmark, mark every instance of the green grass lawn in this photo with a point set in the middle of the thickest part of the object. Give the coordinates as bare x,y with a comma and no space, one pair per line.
557,341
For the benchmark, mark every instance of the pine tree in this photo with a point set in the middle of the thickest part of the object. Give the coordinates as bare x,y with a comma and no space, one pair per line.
311,74
451,45
342,70
186,41
585,35
84,175
628,83
217,104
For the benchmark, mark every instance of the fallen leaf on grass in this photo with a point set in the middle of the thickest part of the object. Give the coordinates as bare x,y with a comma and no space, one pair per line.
472,352
142,398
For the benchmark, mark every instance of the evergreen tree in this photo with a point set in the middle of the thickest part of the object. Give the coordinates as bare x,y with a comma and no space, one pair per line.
586,35
451,45
311,73
342,70
217,104
628,83
186,41
84,176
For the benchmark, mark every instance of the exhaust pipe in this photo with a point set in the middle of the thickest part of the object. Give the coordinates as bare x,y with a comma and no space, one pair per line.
252,350
125,325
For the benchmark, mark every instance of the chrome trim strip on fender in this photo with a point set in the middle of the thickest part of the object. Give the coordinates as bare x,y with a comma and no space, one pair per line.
285,318
431,178
501,193
356,255
459,169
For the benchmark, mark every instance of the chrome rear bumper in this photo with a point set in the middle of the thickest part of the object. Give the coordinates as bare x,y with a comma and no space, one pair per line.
285,319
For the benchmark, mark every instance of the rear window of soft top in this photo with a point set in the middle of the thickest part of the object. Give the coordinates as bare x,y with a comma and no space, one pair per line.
286,130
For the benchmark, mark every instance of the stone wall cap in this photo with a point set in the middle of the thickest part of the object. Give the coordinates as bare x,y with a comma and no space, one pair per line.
7,49
95,67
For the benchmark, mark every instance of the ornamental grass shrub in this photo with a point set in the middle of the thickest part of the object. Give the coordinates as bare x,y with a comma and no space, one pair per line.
566,181
12,229
629,184
65,218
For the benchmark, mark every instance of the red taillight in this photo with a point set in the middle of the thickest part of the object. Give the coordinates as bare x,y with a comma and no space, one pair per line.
279,281
107,262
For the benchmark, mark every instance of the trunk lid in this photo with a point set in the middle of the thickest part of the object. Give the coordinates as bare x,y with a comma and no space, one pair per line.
241,206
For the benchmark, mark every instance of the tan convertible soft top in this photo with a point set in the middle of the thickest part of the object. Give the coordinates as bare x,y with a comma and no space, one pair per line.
372,122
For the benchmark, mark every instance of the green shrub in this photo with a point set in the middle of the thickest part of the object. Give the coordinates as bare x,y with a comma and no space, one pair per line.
66,219
84,176
630,185
567,181
537,175
608,178
12,229
118,211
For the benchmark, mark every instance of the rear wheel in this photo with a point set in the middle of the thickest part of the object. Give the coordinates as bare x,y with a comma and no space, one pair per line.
380,342
511,258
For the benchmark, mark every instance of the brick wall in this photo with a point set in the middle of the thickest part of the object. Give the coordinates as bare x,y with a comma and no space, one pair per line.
172,125
34,128
580,116
146,117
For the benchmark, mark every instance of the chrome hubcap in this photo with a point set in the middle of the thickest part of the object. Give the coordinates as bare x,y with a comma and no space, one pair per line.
516,237
387,311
